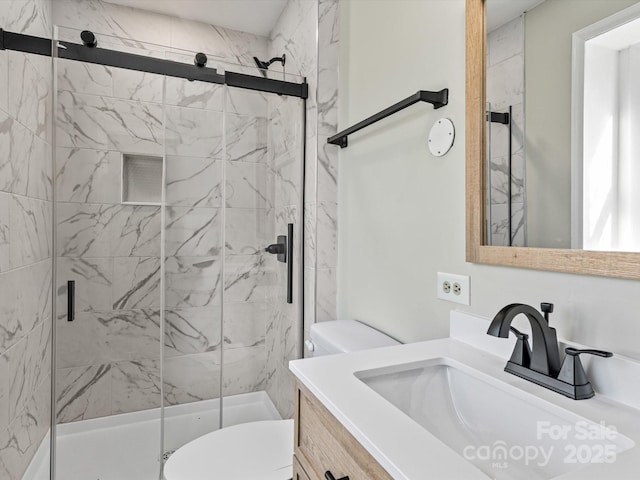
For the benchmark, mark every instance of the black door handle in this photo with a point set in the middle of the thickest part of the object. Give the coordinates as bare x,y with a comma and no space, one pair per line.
283,248
329,476
71,300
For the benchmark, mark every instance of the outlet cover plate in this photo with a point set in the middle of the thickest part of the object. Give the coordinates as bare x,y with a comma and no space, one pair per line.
461,281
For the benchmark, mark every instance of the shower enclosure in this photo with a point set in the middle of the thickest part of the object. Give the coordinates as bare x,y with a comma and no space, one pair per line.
171,318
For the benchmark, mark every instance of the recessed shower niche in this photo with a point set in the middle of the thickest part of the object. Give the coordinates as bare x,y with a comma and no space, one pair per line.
141,179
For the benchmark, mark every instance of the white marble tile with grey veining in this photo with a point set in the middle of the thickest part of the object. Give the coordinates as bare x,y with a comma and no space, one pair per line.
249,231
83,77
285,129
327,101
84,230
505,41
138,284
249,185
98,230
32,17
328,34
193,182
135,386
326,294
193,231
295,34
133,26
244,370
40,179
505,83
192,281
104,337
5,233
327,235
246,138
83,393
7,152
246,102
192,330
29,91
500,179
136,85
88,176
90,121
309,297
193,132
231,45
16,145
30,298
93,284
327,171
30,232
4,80
20,442
191,378
500,225
135,231
247,278
310,229
244,324
183,93
19,377
287,179
38,355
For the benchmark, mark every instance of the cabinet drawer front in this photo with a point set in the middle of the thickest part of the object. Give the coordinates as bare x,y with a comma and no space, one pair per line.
326,445
298,471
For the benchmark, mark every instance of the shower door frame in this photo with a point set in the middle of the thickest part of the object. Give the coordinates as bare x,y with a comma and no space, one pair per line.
76,52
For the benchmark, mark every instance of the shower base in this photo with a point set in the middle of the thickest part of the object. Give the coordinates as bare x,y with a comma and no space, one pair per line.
127,446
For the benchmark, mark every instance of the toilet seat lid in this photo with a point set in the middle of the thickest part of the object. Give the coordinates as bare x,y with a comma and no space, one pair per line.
248,451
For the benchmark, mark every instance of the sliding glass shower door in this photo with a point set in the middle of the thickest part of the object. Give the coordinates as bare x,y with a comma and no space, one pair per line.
172,319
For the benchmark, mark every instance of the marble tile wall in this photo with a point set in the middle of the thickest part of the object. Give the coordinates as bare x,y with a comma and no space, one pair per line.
258,188
195,158
108,358
25,240
505,87
307,32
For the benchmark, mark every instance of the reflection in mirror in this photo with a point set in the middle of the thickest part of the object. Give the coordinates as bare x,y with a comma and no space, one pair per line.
539,191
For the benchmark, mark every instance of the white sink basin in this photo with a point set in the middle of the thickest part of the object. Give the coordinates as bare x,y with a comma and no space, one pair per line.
505,432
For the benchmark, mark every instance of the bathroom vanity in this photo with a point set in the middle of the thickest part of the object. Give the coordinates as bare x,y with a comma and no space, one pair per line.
322,444
446,409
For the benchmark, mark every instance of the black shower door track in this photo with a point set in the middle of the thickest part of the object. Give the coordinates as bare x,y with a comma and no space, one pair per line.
112,58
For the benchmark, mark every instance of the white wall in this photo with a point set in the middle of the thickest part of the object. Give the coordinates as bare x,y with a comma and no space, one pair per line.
401,211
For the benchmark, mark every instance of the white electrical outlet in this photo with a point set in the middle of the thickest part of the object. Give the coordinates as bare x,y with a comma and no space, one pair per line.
454,288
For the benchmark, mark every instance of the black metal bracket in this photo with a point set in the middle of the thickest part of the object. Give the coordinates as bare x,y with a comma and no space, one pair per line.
437,99
113,58
496,117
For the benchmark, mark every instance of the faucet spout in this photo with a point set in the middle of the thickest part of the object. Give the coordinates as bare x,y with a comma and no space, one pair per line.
545,356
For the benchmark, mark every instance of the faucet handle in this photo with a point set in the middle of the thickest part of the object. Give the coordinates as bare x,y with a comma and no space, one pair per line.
573,373
522,352
575,352
546,308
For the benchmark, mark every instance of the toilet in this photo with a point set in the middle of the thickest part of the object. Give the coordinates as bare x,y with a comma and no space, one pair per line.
264,450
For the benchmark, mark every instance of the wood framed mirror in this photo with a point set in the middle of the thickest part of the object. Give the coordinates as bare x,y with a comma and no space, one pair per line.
589,262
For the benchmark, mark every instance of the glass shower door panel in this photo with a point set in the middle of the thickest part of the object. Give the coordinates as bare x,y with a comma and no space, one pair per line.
262,195
109,160
193,260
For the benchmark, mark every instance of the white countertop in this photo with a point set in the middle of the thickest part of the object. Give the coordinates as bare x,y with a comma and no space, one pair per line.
406,449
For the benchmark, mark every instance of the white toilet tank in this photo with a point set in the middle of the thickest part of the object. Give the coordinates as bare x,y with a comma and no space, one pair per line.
341,336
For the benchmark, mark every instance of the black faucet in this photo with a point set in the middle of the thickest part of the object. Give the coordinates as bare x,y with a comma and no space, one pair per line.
541,363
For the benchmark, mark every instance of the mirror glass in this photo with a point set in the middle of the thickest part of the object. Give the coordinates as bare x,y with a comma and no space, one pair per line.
562,159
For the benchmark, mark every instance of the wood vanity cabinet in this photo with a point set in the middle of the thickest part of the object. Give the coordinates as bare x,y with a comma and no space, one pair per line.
323,445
